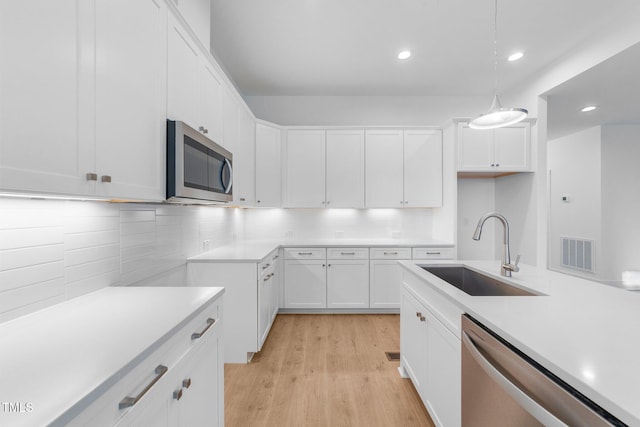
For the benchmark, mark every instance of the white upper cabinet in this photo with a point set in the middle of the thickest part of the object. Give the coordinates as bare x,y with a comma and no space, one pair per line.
83,112
268,166
422,168
130,94
345,169
494,151
305,169
230,121
46,142
195,91
384,169
197,13
244,161
211,89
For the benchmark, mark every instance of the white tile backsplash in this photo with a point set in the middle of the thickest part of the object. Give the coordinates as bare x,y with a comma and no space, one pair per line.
53,250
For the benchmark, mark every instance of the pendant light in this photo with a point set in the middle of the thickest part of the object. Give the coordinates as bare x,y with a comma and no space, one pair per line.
497,116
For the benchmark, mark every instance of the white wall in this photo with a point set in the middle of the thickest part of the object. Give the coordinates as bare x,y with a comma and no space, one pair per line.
620,200
51,251
297,224
574,171
476,197
365,110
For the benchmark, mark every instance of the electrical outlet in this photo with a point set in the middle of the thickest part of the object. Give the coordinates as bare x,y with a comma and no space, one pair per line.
206,245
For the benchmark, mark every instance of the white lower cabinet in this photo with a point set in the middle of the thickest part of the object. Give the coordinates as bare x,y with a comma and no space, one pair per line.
348,283
430,350
252,290
305,283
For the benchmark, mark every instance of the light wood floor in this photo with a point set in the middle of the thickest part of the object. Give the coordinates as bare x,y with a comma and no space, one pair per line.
324,370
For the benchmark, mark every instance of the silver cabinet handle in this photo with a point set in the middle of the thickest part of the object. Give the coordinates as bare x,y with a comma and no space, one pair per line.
242,199
130,401
257,201
198,335
105,178
347,253
433,253
177,394
422,318
493,165
267,277
264,267
529,404
92,176
186,383
275,257
497,165
418,314
206,131
391,253
305,253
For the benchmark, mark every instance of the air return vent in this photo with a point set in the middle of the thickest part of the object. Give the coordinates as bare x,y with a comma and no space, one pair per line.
578,254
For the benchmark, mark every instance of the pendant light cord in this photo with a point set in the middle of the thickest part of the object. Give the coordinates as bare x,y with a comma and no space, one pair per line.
495,48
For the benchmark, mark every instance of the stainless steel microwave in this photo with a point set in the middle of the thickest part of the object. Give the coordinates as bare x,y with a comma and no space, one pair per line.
198,169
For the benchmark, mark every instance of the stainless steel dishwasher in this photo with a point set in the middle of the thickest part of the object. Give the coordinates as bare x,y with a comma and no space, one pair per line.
503,387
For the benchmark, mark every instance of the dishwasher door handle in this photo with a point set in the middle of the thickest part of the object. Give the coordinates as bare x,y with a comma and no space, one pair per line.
526,402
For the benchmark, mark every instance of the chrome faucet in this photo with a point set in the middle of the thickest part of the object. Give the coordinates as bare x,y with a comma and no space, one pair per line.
507,267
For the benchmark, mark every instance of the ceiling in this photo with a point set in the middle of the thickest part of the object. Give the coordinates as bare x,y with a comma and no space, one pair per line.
613,85
349,47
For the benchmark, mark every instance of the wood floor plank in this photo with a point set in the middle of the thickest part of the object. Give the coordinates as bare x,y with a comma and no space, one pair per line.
324,370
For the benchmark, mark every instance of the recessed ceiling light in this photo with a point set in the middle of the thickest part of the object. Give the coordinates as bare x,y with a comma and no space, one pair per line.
405,54
589,108
515,56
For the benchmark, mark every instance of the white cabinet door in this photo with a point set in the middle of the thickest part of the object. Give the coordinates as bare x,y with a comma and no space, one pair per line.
345,169
305,284
265,301
268,164
130,90
201,403
413,341
386,278
384,169
211,89
422,168
511,148
443,373
475,149
348,283
244,161
183,75
197,13
305,169
231,121
46,126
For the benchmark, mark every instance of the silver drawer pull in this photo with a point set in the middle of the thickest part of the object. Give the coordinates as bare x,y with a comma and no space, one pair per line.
391,253
198,335
275,257
305,253
186,383
433,253
267,277
177,394
347,253
92,177
130,401
264,267
105,178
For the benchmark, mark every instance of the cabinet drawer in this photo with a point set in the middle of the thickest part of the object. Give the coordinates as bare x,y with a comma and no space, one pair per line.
348,253
267,262
305,253
105,409
390,253
432,253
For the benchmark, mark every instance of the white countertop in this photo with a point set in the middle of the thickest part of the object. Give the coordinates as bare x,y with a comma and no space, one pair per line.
70,353
584,332
256,250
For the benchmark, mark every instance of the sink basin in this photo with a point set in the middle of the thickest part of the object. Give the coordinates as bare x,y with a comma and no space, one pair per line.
474,283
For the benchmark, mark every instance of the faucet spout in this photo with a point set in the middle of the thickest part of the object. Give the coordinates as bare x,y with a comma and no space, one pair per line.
506,267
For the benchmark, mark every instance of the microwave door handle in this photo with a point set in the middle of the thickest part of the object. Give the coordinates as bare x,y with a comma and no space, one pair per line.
227,188
526,402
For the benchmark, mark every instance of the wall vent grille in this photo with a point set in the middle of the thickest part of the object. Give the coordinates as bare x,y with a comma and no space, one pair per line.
578,254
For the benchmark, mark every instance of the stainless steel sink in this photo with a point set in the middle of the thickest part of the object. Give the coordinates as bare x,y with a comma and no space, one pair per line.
474,283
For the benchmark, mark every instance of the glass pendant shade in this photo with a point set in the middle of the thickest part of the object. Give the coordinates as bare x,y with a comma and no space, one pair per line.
498,116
